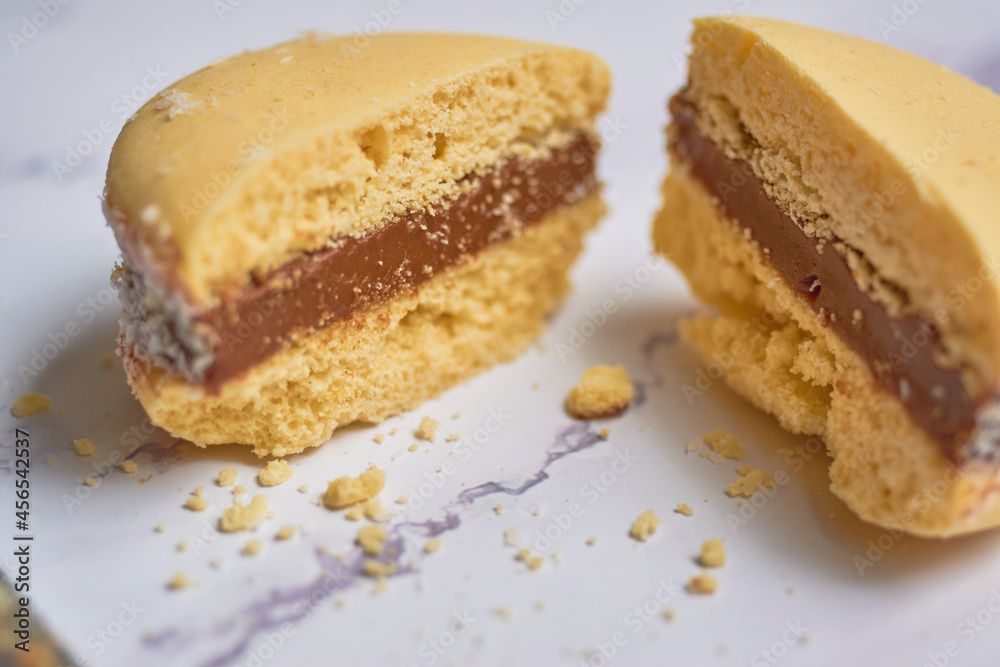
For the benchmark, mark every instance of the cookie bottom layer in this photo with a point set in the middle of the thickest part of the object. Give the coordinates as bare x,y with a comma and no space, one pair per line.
777,354
384,360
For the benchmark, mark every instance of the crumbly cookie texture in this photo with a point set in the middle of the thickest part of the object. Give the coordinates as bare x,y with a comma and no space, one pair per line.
286,532
724,444
128,466
29,404
603,391
371,538
703,584
644,526
253,547
713,553
683,508
274,473
227,476
84,447
196,504
180,581
751,479
428,429
432,545
345,491
244,517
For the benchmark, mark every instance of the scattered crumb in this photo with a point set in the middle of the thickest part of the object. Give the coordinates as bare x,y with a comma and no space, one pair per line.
428,429
198,491
750,480
669,614
381,586
724,444
703,584
603,391
345,491
498,508
453,437
692,446
604,433
398,453
128,466
303,488
286,532
532,561
239,490
355,513
539,605
29,404
179,581
84,447
160,528
227,476
591,541
49,462
682,508
394,431
714,457
182,546
379,438
402,500
253,547
143,480
512,536
274,473
503,612
432,546
713,553
371,538
374,510
456,415
536,512
243,517
90,481
196,504
413,447
373,568
644,526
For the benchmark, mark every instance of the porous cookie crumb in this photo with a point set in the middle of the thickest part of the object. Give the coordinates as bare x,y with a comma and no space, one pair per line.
84,447
703,584
683,509
371,538
253,547
374,510
227,476
428,429
129,466
432,546
604,433
303,488
379,438
198,491
512,536
532,561
179,581
724,444
713,553
29,404
286,532
274,473
196,504
413,447
498,508
603,391
750,480
355,513
243,517
90,481
345,491
644,526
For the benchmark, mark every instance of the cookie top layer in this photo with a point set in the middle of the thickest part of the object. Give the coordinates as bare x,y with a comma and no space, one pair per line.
240,166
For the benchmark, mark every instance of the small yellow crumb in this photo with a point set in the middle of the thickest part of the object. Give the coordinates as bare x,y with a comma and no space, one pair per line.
498,508
644,526
243,517
456,415
345,491
714,457
198,491
90,481
253,547
413,447
684,509
603,391
239,490
49,462
428,429
432,546
84,447
29,404
669,614
703,584
591,541
503,612
196,504
227,476
373,568
381,586
394,431
536,512
533,562
402,500
512,536
370,539
179,581
274,473
182,546
354,513
303,488
452,437
713,553
604,434
724,444
128,466
374,510
750,480
160,528
379,438
286,532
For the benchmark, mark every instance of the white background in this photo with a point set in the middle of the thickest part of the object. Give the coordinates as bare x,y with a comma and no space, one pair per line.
792,562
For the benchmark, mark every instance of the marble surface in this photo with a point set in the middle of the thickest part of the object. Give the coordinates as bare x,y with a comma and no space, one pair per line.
796,591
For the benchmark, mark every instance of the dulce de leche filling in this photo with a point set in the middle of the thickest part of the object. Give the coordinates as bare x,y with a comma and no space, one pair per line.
934,396
356,273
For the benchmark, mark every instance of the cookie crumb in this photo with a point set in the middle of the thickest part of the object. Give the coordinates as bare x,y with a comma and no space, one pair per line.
227,476
49,462
182,546
345,491
379,438
29,404
751,479
198,491
402,500
713,553
253,547
644,526
371,538
603,391
179,581
243,517
160,528
604,433
456,415
84,447
591,541
239,490
512,536
428,429
286,532
196,504
128,466
669,614
274,473
432,546
374,510
683,508
303,488
90,481
394,431
724,444
414,447
539,605
143,480
377,570
533,562
498,508
354,513
108,360
503,612
453,437
714,457
703,584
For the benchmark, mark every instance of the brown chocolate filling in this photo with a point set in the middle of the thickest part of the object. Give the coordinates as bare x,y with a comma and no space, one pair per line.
359,272
898,350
